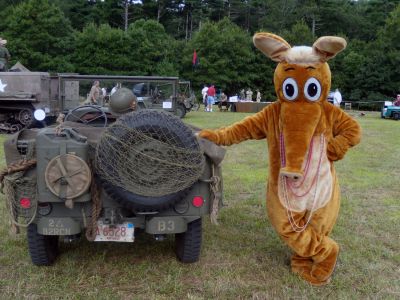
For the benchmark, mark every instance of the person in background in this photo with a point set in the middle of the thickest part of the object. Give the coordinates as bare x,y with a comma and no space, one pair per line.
210,98
337,98
94,94
204,94
397,101
115,88
258,97
223,102
242,94
4,55
249,95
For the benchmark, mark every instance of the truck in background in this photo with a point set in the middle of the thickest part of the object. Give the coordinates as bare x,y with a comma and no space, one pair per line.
390,111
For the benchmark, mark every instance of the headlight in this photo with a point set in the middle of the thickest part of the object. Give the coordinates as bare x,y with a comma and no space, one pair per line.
39,114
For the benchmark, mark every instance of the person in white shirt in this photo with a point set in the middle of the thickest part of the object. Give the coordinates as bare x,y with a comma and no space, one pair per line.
337,98
258,98
115,88
204,94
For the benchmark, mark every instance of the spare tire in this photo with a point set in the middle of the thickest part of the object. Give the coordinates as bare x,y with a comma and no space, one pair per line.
148,160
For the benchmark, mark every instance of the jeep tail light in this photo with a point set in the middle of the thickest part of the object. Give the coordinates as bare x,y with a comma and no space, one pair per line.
198,201
25,202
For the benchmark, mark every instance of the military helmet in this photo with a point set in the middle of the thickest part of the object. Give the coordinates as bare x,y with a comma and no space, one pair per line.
122,101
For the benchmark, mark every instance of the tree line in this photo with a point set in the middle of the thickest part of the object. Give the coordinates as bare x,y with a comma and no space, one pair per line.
158,37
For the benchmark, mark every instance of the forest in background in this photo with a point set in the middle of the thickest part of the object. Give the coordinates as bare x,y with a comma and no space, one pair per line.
158,37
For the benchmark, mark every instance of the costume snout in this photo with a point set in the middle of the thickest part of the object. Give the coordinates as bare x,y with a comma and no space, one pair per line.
299,121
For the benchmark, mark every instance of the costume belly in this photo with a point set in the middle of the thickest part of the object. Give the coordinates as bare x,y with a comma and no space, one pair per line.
314,189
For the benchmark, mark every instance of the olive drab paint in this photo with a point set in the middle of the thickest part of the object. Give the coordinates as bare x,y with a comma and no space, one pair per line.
58,216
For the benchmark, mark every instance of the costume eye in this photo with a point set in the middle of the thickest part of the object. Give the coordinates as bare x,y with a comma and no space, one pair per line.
290,89
312,89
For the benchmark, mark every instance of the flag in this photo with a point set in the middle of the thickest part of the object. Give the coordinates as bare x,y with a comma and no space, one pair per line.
195,60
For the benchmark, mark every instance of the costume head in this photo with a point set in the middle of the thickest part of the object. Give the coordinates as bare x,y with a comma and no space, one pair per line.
302,82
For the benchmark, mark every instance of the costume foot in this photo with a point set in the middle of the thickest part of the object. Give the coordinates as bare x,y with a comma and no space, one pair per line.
312,280
301,264
324,269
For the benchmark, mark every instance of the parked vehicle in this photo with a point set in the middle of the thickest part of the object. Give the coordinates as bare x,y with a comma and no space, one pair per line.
144,173
149,94
390,111
27,97
186,99
22,93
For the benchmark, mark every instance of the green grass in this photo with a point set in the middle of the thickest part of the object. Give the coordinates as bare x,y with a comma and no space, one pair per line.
242,257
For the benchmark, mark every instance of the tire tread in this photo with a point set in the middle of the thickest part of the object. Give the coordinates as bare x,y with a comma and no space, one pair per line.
188,244
43,249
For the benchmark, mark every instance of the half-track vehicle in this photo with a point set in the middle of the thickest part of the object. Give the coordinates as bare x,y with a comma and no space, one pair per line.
146,172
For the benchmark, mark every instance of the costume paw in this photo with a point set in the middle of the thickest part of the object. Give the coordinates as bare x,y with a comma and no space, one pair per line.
323,270
336,149
209,135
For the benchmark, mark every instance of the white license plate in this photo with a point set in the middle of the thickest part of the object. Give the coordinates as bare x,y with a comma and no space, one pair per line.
124,232
167,104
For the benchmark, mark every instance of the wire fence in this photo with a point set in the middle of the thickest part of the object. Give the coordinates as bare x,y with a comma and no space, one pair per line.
363,105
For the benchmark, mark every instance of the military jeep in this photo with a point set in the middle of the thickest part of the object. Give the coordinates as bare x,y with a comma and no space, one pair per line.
147,172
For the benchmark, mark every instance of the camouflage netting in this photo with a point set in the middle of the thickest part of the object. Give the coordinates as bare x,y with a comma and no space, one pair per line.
17,187
150,154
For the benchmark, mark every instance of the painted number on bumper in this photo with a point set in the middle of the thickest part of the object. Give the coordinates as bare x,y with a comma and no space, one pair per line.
166,226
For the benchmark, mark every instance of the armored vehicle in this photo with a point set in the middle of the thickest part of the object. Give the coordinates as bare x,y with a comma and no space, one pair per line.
21,93
31,98
147,172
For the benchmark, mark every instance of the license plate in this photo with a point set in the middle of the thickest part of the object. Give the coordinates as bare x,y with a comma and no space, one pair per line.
118,233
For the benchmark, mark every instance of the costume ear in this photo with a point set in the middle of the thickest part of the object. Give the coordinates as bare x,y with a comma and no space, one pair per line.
271,45
327,47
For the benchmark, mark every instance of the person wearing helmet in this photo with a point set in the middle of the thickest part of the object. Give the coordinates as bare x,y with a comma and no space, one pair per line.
4,55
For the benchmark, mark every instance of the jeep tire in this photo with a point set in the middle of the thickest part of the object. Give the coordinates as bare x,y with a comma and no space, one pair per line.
180,111
188,244
43,249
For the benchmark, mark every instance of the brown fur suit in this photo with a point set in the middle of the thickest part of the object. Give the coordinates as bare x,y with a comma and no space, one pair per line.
305,134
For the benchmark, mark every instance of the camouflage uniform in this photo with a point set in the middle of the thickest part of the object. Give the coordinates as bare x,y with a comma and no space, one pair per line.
4,58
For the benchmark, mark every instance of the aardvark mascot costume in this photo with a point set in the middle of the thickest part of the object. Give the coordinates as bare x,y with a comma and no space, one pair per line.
305,135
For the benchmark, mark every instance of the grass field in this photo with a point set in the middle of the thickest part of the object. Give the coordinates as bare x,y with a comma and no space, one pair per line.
242,258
